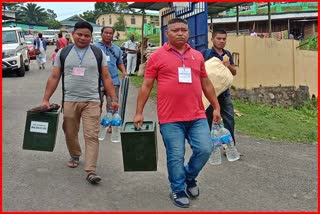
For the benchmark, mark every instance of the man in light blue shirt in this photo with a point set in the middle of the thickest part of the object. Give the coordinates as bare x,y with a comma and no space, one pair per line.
114,61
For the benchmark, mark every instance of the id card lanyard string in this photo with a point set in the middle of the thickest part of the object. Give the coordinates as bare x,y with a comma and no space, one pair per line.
80,57
179,56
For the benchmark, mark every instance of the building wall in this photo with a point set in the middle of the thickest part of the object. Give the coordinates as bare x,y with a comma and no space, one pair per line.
111,18
269,62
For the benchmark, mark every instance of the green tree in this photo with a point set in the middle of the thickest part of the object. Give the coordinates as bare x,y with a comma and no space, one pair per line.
120,25
53,24
105,7
51,14
33,14
110,7
89,15
11,6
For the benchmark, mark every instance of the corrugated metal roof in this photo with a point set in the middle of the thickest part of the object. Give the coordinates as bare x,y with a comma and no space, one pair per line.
213,7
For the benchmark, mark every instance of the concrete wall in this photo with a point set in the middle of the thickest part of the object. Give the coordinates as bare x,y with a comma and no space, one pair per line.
268,62
104,19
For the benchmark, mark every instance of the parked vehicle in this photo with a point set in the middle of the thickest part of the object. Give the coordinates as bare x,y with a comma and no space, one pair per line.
29,42
15,56
96,37
51,36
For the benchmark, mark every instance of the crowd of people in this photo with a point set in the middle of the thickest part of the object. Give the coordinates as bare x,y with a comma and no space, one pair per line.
181,79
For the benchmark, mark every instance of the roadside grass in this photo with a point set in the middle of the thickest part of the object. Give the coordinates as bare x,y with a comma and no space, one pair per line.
277,123
296,125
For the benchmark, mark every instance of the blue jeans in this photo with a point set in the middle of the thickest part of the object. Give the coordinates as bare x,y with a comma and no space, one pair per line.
226,110
197,134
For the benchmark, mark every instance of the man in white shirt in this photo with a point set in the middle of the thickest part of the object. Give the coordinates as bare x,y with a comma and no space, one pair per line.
131,47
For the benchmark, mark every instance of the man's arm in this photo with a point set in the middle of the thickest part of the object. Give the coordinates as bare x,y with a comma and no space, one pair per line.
122,69
51,86
107,83
210,94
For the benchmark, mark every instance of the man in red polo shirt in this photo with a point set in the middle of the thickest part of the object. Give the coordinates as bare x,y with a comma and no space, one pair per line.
181,78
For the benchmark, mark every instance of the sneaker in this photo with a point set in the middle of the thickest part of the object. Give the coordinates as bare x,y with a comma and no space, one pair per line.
93,178
192,189
180,199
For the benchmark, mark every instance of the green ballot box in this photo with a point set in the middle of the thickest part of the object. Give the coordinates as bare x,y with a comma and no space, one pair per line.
41,130
139,147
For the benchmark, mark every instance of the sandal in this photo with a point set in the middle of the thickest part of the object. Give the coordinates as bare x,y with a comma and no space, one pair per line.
93,178
73,162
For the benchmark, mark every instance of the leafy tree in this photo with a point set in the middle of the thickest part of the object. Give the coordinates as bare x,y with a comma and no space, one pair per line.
33,14
120,25
53,24
109,7
51,14
11,6
89,15
105,7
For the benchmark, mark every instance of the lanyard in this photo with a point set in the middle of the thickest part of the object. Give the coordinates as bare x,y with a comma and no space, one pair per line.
180,57
80,58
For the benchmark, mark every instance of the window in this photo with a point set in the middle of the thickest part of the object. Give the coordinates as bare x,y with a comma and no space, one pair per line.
133,20
103,23
145,20
110,19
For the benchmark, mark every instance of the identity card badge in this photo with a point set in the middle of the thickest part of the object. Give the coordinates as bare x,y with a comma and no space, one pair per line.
185,75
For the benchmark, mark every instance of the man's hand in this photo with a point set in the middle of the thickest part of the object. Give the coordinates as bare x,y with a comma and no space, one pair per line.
46,103
226,63
216,117
138,120
114,106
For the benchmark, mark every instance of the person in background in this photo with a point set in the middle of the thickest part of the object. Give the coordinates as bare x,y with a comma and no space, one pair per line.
61,42
68,37
219,40
54,55
131,47
114,61
81,97
41,44
181,79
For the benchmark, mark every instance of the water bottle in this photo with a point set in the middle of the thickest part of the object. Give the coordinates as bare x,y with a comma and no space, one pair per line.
103,127
215,158
116,126
226,139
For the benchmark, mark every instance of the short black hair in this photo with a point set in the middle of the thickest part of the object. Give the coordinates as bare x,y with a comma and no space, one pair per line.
177,20
102,29
60,35
40,35
216,31
83,24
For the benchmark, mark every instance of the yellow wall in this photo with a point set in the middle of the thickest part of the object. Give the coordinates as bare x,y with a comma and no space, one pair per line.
269,62
127,18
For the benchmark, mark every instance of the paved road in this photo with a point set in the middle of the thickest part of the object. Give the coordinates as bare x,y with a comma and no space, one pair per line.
271,176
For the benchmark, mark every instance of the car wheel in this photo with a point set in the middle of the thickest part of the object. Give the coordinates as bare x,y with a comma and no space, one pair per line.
21,71
27,67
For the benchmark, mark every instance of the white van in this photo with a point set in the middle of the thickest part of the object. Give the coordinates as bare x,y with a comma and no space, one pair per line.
50,35
15,57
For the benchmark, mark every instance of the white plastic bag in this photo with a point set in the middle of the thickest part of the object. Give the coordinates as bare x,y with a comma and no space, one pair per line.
219,75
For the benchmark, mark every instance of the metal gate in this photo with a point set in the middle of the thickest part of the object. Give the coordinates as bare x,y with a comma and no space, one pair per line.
197,16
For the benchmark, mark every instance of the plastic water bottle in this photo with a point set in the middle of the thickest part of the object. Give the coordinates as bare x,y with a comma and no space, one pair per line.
215,158
116,126
103,127
226,139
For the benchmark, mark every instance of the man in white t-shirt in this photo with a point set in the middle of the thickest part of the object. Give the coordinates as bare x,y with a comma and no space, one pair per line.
131,47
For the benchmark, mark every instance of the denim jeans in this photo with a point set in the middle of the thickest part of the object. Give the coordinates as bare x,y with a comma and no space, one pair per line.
226,110
197,134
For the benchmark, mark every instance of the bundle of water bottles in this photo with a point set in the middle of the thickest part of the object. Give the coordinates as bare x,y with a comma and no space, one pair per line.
221,137
113,120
